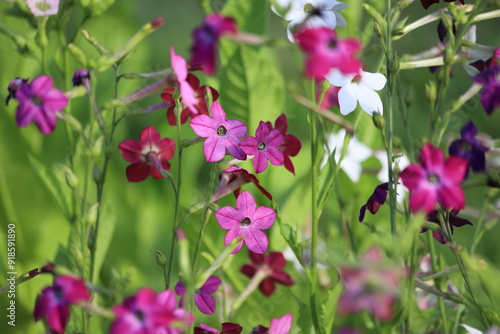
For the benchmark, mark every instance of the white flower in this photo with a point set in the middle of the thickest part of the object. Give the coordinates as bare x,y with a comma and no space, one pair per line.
324,13
356,153
478,52
383,174
43,7
358,88
472,330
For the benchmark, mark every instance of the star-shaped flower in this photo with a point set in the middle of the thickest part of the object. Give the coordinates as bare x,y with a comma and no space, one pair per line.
264,147
290,146
490,95
470,148
203,296
248,220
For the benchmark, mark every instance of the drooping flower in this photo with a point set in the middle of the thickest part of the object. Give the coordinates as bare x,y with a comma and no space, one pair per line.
43,7
248,220
470,148
312,14
427,3
290,146
356,153
200,106
370,287
203,296
147,312
179,66
81,78
479,57
264,147
272,266
54,302
453,220
227,328
490,94
13,87
356,88
324,51
435,181
149,155
375,201
206,37
40,103
231,180
399,163
221,134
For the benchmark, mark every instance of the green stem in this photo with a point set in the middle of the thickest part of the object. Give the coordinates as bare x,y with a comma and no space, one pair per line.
436,267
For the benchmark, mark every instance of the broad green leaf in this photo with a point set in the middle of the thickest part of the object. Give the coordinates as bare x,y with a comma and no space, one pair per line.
304,321
330,308
104,237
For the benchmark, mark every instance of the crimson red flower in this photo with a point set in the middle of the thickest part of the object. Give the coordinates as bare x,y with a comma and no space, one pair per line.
272,265
199,93
148,156
290,145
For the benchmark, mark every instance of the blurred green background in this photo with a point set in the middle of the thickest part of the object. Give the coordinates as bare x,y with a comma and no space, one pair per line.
138,216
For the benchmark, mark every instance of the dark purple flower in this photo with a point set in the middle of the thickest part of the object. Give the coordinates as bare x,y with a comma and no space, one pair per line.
81,78
427,3
264,147
272,265
454,220
39,103
14,85
206,37
231,180
470,148
54,302
490,95
203,297
375,201
227,328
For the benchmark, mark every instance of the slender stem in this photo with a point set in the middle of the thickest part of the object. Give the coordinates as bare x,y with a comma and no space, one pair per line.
259,276
436,266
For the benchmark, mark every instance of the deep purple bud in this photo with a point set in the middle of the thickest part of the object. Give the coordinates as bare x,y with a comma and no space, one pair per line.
14,85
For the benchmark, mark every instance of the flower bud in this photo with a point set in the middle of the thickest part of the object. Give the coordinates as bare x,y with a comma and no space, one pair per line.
97,174
409,96
431,92
96,149
91,215
378,120
161,260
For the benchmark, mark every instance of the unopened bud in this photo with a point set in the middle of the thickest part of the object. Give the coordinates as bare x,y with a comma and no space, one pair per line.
409,96
79,55
378,121
97,174
91,216
209,99
96,149
325,85
161,260
431,92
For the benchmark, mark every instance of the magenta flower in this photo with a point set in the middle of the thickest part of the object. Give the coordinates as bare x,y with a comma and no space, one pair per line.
435,181
150,155
370,287
470,148
179,67
221,134
39,103
490,94
278,326
453,220
324,51
147,312
203,297
201,105
231,180
206,37
227,328
290,146
264,147
272,265
247,220
54,302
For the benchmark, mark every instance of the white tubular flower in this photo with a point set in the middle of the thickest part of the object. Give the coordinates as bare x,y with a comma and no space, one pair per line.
319,13
478,52
358,88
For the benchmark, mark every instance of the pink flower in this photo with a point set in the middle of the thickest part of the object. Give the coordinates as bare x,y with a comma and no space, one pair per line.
39,103
264,147
246,220
435,181
221,134
206,37
53,304
273,265
148,156
179,67
278,326
43,7
202,297
231,180
227,328
324,51
201,105
147,312
290,146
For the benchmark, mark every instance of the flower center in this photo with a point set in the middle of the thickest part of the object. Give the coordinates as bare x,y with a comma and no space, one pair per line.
139,315
36,100
261,146
43,6
245,222
332,44
433,178
356,79
308,8
221,131
465,146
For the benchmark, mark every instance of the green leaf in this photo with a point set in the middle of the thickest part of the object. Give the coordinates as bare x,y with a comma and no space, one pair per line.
250,15
330,308
104,237
304,321
326,180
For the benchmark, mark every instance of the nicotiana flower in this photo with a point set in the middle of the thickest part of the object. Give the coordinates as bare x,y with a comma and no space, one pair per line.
470,148
43,7
370,287
278,326
356,88
248,220
290,146
227,328
179,67
200,106
427,3
312,13
148,312
203,296
264,147
81,78
490,94
271,266
479,57
40,103
14,85
453,220
435,181
399,163
221,134
148,156
206,37
472,330
324,51
54,302
231,180
375,201
356,153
